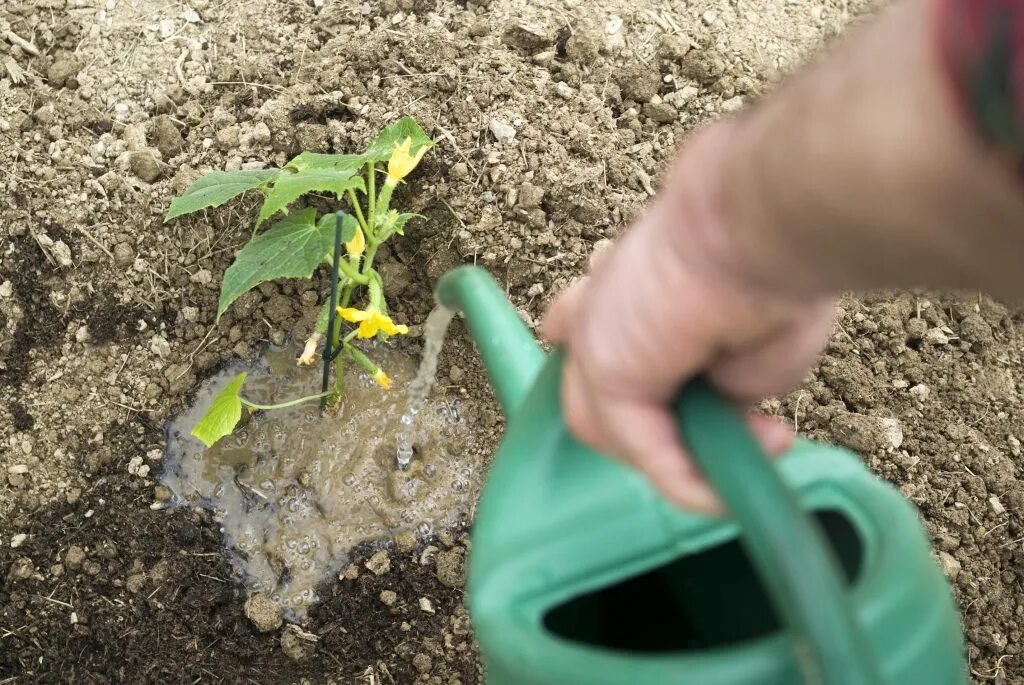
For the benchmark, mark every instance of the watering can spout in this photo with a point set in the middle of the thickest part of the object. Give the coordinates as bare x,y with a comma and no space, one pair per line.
510,353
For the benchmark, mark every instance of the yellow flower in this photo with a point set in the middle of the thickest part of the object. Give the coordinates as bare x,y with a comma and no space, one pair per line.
403,161
382,379
370,321
356,246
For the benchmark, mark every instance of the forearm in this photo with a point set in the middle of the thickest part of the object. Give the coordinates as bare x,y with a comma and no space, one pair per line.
861,172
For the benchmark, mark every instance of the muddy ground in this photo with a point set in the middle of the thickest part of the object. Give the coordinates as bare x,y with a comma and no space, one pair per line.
554,121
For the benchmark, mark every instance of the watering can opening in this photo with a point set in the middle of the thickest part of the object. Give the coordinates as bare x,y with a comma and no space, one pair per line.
710,599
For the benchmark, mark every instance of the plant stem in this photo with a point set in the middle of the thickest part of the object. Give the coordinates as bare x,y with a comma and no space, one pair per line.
357,210
282,405
371,172
339,361
352,272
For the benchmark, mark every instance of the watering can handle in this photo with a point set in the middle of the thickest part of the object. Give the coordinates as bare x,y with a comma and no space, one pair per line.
786,546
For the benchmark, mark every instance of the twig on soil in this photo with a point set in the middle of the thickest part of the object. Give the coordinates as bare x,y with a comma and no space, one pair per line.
178,66
796,413
22,43
247,83
56,601
994,672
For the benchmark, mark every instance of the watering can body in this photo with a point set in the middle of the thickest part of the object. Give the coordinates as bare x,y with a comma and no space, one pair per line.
581,573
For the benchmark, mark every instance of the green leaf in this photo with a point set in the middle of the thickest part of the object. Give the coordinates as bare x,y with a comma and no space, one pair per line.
393,222
403,219
223,415
315,161
291,186
381,147
348,230
216,188
291,248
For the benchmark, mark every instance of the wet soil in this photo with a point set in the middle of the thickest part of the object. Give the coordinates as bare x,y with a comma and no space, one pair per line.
554,123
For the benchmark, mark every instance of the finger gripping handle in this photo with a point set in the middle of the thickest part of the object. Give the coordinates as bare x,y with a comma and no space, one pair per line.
787,547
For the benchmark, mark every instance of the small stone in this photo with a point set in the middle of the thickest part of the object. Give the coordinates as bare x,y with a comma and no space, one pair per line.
21,569
165,136
264,612
18,540
63,72
460,170
296,643
422,663
17,469
351,572
916,329
527,37
479,28
949,564
660,112
202,277
1015,449
503,131
732,105
227,138
135,583
124,256
564,90
145,165
867,434
62,253
535,290
388,597
920,391
975,330
134,137
993,502
426,605
190,313
936,337
379,563
397,278
451,568
6,289
673,47
640,84
709,17
260,133
530,196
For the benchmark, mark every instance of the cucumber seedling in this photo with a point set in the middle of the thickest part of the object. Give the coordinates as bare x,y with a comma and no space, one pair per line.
299,242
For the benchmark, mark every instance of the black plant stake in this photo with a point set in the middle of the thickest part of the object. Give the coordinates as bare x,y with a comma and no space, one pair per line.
332,315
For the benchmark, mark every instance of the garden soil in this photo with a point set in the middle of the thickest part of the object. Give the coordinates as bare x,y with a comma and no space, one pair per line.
555,122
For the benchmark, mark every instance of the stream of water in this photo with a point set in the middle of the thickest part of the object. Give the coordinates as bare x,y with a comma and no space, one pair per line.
434,330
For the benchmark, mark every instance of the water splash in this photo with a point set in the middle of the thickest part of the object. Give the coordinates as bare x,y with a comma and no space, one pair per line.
434,329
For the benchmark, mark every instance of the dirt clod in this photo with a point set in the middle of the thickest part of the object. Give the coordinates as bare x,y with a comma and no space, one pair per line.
264,612
451,567
867,434
379,563
146,165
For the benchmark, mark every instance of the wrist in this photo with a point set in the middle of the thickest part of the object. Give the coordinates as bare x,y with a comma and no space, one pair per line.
719,219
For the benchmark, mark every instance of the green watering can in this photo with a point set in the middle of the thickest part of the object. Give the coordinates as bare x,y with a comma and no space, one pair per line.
581,573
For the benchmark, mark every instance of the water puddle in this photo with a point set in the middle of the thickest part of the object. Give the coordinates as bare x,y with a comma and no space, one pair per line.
294,492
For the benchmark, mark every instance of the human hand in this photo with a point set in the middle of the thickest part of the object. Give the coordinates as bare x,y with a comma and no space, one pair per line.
664,305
